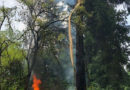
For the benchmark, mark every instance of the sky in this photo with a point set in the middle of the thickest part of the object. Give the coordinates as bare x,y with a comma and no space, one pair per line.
9,4
123,7
128,20
21,26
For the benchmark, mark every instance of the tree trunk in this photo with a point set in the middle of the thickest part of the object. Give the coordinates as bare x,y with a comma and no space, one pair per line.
0,69
80,64
31,63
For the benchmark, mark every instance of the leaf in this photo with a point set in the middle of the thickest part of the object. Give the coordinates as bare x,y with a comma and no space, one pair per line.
61,37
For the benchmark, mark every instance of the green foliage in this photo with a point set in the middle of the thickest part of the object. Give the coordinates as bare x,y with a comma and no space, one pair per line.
12,61
12,53
104,35
61,37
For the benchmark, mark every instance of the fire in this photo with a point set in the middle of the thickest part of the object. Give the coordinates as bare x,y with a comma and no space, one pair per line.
36,83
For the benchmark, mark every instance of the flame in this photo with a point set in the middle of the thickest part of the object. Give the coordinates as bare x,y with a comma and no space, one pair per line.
36,83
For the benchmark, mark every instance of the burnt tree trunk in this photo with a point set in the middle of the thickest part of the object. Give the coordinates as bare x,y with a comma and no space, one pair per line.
1,69
80,64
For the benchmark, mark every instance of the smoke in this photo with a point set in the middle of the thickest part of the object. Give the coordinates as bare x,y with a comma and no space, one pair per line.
71,2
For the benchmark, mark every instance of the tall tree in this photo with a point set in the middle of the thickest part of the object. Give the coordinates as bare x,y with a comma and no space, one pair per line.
80,64
105,36
42,20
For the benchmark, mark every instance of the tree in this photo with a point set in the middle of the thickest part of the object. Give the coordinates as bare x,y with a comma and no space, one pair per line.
42,21
80,53
12,68
104,38
42,49
127,2
80,64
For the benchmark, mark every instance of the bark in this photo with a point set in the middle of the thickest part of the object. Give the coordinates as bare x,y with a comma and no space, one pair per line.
80,64
2,22
0,68
32,57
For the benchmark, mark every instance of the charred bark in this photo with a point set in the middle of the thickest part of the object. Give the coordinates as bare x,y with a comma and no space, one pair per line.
80,63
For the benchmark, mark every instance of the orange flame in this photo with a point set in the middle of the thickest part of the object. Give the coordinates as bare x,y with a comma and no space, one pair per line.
36,83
